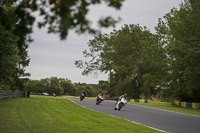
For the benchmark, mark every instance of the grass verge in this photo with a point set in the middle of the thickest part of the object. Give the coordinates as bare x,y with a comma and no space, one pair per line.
170,107
40,114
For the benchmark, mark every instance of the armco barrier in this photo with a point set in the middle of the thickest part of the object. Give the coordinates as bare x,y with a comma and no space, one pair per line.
137,100
195,105
183,104
187,104
5,94
142,100
177,103
131,100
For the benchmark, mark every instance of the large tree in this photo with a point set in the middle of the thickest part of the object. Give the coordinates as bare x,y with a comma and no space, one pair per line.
18,23
130,55
8,58
180,31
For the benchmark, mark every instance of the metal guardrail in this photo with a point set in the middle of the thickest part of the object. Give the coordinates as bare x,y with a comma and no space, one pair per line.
187,104
5,94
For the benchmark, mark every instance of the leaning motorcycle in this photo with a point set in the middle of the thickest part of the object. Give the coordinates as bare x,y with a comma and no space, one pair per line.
120,103
82,96
99,100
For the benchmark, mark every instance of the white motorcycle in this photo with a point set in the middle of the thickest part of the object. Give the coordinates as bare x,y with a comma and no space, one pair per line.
120,103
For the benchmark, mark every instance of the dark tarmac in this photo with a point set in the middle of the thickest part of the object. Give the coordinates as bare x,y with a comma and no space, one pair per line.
155,118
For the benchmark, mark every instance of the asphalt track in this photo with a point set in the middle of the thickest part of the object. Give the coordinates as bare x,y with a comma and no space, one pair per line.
159,119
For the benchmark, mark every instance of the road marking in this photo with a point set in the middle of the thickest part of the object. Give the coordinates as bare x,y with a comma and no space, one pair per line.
118,117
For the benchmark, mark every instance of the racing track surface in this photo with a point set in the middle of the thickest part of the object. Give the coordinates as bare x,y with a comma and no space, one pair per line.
163,120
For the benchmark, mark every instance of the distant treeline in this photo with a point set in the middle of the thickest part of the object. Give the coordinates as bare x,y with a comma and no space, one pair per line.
61,86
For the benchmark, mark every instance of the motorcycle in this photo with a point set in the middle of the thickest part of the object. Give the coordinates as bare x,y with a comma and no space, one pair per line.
99,100
82,97
119,104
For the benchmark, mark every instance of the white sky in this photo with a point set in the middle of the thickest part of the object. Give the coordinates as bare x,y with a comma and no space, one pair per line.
52,57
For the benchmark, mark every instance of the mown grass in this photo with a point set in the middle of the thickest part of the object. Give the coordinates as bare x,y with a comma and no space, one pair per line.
40,114
170,107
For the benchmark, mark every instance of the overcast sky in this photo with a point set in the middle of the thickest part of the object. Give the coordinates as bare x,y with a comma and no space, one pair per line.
52,57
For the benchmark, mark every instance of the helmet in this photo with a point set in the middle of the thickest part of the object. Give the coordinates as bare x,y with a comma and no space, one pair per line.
125,95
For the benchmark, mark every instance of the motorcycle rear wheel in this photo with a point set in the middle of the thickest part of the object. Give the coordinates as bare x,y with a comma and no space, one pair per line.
120,106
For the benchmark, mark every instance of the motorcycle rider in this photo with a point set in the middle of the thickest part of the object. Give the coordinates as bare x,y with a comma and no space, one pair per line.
100,95
83,94
119,99
100,98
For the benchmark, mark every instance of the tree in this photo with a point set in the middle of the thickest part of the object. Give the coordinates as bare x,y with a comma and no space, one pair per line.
67,86
16,17
17,22
55,86
128,55
89,89
8,58
103,85
61,16
181,34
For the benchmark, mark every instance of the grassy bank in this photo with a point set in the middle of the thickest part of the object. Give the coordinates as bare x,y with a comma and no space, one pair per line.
170,107
41,114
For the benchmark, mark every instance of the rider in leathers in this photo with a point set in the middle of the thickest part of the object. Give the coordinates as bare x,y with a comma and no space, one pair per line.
100,95
119,99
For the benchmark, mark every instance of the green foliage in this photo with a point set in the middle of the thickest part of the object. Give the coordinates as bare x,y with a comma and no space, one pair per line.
165,64
104,85
49,85
61,86
17,23
89,89
67,86
16,19
182,34
8,58
62,16
55,86
127,54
